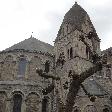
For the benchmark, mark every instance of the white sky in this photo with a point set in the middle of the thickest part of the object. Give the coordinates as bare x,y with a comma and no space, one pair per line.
18,18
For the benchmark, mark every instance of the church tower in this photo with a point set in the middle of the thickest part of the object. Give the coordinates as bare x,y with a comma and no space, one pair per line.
74,46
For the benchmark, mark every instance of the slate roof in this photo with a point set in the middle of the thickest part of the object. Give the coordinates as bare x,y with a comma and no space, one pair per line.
93,88
32,44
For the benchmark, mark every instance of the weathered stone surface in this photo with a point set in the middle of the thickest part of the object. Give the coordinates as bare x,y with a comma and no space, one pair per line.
68,57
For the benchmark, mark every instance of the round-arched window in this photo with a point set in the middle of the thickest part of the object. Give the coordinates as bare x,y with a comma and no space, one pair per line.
45,105
17,102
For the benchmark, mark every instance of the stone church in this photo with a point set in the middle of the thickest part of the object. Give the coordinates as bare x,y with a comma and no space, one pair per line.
22,89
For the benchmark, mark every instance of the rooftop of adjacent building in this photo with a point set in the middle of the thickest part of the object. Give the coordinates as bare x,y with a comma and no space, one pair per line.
32,44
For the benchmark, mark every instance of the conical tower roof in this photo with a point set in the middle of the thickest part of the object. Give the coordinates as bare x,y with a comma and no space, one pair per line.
76,16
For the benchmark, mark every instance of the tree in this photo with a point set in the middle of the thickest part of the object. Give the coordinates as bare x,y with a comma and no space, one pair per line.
98,63
76,83
78,79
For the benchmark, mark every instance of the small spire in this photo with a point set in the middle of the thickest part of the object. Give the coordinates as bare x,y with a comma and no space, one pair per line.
31,35
75,2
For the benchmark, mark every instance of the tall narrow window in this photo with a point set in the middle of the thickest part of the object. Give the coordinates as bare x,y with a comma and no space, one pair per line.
63,31
67,29
47,67
87,53
44,105
71,53
68,53
17,99
22,66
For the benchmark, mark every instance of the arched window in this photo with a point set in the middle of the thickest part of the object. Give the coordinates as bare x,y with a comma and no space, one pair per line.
17,102
71,53
47,67
44,105
22,66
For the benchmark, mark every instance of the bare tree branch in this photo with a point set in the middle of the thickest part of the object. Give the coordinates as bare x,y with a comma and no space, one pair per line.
46,75
75,85
97,67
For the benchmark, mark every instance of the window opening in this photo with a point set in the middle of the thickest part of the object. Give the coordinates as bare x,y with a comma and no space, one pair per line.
71,53
17,99
63,31
68,53
44,105
87,53
22,66
47,67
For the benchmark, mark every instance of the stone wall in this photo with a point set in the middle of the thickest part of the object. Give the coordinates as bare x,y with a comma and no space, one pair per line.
27,86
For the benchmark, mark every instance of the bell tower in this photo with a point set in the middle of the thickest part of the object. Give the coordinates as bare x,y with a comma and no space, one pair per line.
75,41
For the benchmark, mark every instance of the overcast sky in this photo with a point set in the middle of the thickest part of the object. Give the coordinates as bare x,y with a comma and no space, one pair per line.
19,18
